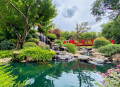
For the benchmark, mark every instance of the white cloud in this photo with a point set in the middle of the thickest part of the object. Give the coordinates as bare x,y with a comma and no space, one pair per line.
71,12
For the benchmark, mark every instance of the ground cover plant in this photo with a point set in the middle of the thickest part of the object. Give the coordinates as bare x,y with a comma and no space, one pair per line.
6,53
37,54
71,48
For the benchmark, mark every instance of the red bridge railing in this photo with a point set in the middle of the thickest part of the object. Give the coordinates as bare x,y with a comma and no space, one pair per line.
83,42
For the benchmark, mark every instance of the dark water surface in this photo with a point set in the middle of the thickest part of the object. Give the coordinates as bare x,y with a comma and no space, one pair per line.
72,74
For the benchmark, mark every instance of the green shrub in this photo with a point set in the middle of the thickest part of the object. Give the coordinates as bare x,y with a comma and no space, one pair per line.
33,40
99,42
37,54
6,53
32,31
110,49
59,42
13,41
29,36
2,36
52,36
71,48
46,48
7,45
29,44
35,36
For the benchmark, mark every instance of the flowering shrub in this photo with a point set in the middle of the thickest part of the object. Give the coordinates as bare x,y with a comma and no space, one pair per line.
111,78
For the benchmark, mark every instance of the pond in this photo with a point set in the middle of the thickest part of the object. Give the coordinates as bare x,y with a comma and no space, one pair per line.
72,74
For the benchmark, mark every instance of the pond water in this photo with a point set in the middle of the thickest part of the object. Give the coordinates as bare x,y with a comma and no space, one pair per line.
72,74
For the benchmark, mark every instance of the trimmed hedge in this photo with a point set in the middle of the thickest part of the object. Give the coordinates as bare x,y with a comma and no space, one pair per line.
29,44
52,36
33,40
110,49
59,42
71,48
37,54
99,42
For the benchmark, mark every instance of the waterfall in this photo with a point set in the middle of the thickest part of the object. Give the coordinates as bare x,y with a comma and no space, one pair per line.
43,38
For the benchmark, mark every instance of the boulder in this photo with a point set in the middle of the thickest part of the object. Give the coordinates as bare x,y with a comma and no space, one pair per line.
83,57
116,57
42,44
5,60
98,60
16,54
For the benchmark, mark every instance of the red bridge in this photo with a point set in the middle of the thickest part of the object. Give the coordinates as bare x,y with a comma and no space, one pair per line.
83,42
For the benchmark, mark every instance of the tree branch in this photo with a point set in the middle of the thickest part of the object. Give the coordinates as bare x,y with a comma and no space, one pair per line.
17,9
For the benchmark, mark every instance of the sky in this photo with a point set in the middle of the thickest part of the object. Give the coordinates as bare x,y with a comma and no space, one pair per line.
71,12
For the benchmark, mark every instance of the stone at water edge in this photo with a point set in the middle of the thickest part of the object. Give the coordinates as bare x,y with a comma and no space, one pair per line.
83,57
116,57
5,60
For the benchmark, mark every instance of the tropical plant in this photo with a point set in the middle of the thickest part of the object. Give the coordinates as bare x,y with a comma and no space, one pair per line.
37,54
7,79
29,44
7,45
99,42
71,48
110,49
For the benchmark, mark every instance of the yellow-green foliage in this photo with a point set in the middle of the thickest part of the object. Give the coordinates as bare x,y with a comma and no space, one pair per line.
98,42
33,40
6,53
29,44
71,48
37,54
52,36
7,79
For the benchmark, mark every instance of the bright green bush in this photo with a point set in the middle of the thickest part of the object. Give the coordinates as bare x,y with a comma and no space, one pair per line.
110,49
13,41
7,45
52,36
59,42
71,48
99,42
29,44
37,54
33,40
7,79
6,53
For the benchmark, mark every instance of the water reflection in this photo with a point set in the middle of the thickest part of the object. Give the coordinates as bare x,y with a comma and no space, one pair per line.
72,74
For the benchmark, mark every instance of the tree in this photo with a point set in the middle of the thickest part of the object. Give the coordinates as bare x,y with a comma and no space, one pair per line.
111,30
81,28
101,7
20,15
